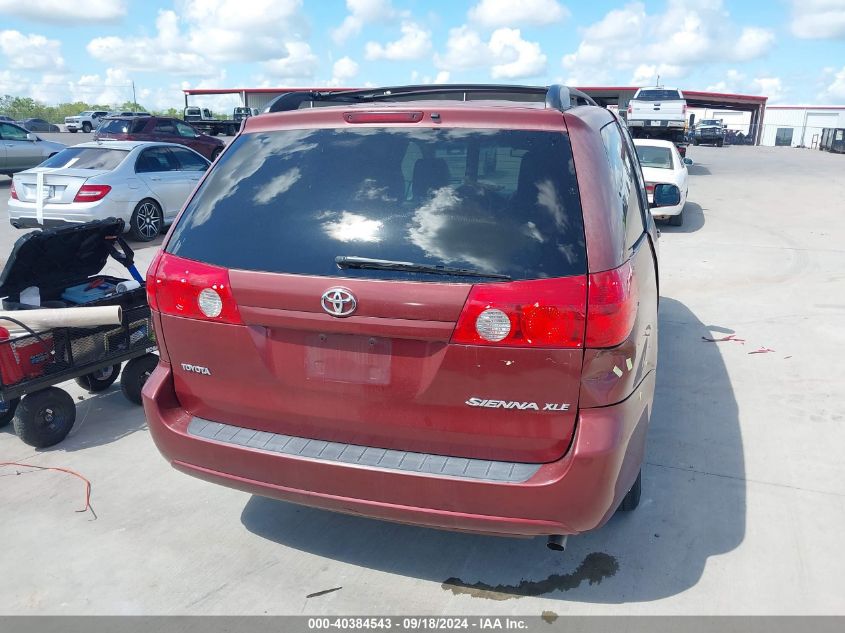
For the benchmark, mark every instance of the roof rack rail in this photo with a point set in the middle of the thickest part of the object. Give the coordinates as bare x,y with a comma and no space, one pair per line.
556,96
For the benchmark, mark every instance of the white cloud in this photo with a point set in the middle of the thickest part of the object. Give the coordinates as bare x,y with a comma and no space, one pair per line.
771,87
493,13
66,13
735,81
31,52
442,77
165,52
232,30
299,63
114,88
414,44
818,19
208,32
753,42
647,74
506,54
343,70
669,43
362,12
836,90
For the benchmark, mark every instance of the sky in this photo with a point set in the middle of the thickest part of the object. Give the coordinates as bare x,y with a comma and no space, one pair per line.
792,51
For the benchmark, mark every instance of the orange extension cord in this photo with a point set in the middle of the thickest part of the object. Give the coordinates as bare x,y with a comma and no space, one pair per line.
62,470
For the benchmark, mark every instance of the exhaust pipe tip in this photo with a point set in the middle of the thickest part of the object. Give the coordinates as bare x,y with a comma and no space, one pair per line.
557,542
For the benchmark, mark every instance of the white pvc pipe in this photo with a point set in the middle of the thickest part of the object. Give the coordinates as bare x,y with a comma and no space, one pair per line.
94,316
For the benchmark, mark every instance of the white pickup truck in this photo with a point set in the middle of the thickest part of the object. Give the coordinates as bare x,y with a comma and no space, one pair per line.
658,112
85,121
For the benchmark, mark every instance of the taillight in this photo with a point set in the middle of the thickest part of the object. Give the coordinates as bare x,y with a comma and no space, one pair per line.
612,301
12,192
537,313
649,187
189,289
91,193
630,109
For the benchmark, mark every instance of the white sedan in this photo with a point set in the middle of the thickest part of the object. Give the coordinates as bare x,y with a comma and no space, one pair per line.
144,183
662,163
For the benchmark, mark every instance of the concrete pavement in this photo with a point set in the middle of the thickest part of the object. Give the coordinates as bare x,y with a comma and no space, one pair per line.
744,487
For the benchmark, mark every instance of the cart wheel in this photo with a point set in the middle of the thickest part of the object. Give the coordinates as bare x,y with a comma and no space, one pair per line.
135,375
45,417
7,411
99,380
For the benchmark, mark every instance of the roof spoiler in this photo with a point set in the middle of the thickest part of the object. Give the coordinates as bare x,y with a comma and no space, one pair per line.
556,96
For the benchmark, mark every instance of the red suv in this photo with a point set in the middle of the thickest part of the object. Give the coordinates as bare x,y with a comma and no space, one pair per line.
157,128
428,305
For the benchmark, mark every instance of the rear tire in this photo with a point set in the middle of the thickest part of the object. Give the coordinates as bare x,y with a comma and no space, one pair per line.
215,154
147,221
135,376
99,380
632,499
695,141
720,143
45,417
8,411
676,220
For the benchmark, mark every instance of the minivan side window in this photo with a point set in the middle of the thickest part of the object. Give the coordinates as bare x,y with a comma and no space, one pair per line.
625,183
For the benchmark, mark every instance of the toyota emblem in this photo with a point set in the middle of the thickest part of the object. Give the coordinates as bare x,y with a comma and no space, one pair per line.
338,302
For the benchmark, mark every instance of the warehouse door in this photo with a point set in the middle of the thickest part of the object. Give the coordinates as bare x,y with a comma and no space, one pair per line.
783,136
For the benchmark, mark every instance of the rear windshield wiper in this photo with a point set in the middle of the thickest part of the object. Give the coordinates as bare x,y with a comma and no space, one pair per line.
344,261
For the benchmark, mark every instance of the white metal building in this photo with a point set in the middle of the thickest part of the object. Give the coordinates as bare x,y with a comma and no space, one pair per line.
799,125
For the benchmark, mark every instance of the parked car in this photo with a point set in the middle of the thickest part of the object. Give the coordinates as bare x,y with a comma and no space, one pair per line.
85,121
38,125
20,149
381,308
143,183
709,131
661,163
156,128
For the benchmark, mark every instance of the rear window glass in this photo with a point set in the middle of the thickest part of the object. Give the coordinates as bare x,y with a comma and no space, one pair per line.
87,158
660,157
497,201
710,122
659,95
122,126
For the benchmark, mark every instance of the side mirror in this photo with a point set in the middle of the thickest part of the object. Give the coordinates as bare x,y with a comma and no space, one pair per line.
688,161
31,137
665,195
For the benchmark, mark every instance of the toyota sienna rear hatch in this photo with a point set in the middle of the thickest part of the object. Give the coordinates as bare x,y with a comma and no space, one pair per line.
412,288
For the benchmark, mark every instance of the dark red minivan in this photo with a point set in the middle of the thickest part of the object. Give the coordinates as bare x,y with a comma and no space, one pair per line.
433,305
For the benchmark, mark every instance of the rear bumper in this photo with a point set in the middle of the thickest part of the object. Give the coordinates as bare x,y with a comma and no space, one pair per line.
577,493
22,214
657,123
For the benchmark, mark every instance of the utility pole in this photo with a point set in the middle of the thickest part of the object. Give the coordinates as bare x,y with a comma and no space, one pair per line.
134,102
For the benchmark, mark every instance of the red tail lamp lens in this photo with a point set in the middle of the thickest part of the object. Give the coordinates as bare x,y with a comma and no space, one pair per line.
537,313
91,193
612,306
193,290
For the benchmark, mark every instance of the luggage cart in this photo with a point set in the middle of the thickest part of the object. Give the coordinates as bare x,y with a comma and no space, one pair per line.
33,361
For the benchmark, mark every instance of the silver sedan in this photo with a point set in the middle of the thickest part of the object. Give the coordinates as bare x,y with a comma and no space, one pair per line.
144,183
20,149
